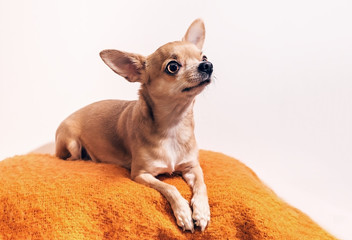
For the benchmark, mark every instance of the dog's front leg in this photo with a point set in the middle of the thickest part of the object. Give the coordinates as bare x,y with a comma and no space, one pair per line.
179,205
200,204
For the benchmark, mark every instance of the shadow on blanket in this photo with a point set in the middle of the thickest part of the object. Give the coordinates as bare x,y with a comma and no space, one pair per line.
42,197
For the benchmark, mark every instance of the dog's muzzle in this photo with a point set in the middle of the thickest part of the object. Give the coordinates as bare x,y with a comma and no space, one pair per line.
205,69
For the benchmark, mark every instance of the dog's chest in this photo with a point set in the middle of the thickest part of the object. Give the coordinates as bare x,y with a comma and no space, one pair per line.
171,152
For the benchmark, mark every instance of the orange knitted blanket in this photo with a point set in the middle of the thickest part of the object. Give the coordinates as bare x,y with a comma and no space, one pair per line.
42,197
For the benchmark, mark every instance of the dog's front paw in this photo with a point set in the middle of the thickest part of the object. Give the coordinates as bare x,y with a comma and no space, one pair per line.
183,215
201,211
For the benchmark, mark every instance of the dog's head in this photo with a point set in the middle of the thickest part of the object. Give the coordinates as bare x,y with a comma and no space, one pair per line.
175,69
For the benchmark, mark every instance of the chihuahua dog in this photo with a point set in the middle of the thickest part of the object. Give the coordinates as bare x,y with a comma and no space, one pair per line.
154,134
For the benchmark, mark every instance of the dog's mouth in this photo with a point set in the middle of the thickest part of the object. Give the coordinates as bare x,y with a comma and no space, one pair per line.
205,82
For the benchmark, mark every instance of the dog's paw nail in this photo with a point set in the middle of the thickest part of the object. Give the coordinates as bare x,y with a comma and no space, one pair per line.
203,224
190,226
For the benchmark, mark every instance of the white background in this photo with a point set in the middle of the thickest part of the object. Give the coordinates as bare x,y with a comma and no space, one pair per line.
281,102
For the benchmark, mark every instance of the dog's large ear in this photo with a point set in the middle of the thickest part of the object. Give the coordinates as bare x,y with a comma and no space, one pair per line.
128,65
196,33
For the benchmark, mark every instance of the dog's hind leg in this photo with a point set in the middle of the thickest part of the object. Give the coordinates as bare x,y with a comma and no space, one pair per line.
69,149
75,149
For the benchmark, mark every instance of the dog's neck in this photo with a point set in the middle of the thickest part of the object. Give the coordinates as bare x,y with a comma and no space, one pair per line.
166,113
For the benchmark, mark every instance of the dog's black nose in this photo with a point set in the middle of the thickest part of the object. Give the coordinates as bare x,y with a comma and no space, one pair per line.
206,67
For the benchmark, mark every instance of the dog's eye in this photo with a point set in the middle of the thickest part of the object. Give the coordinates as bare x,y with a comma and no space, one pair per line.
205,58
172,67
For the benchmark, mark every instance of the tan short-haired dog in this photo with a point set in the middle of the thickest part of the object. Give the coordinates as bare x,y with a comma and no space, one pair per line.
154,134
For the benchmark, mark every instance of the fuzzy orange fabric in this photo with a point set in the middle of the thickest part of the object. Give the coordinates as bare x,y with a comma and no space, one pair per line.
42,197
